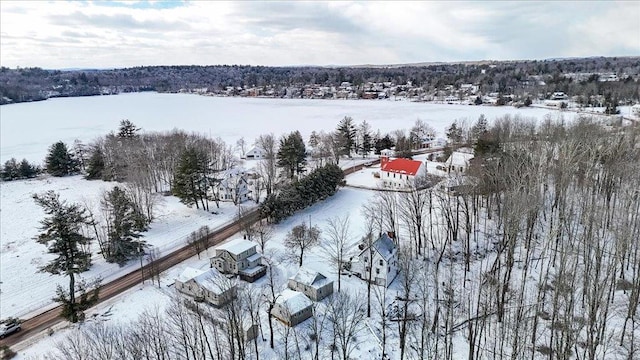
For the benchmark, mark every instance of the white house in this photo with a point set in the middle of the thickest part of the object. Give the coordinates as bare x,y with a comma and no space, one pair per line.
206,285
459,160
387,153
256,153
398,173
292,307
233,185
239,257
378,262
312,283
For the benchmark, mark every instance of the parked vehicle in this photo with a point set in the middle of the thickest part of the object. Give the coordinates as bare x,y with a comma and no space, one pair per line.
8,327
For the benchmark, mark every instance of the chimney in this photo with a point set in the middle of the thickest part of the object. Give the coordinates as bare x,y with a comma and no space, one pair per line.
383,161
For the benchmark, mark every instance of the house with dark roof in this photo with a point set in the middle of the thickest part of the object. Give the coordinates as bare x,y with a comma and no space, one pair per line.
378,262
400,173
311,283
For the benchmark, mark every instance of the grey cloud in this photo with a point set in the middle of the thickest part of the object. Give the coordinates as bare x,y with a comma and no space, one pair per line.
119,21
287,16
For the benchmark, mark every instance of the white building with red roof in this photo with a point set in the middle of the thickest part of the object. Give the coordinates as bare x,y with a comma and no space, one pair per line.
398,173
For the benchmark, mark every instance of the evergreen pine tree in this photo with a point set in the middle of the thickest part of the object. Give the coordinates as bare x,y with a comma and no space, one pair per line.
454,133
125,222
366,144
191,178
63,235
292,154
383,143
347,131
60,162
10,170
480,127
127,130
95,165
27,170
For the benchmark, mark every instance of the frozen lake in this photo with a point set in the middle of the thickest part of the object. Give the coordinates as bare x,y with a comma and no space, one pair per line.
28,129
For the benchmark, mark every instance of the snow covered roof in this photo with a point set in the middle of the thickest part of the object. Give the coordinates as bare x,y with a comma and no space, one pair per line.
310,278
293,301
254,257
189,273
384,246
237,246
209,279
402,166
459,158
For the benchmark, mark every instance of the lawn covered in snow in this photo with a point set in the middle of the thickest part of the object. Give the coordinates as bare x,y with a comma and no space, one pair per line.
24,289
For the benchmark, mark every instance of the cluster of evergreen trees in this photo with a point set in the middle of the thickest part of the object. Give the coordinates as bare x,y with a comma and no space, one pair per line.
12,170
318,185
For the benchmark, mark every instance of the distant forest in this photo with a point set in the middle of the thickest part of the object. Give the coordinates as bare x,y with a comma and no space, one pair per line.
574,77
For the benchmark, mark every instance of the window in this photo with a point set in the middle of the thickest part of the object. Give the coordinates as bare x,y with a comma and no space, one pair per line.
394,175
381,262
377,270
366,259
368,268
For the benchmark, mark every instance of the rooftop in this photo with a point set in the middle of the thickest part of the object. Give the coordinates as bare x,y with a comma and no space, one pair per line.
209,279
402,166
293,301
237,246
310,277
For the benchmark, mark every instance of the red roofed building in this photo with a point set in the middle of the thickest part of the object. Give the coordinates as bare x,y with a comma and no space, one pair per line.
398,173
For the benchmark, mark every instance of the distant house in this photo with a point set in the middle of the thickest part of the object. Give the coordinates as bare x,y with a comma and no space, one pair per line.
292,307
205,285
378,262
233,185
398,173
256,153
458,161
312,283
239,257
387,153
558,95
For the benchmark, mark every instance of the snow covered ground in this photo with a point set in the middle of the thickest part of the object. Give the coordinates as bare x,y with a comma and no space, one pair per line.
24,289
132,303
28,129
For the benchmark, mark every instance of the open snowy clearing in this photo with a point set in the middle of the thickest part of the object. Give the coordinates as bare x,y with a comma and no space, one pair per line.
24,289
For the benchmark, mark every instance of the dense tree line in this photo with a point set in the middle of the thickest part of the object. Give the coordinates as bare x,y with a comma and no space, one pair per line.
317,185
14,170
31,84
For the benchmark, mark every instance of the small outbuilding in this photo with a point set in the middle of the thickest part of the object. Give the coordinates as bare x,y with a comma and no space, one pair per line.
292,307
312,283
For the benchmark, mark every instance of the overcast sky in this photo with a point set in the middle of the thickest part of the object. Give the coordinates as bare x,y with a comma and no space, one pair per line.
100,34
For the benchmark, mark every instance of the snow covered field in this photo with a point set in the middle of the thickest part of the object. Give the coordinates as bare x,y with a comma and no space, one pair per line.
24,289
28,129
130,305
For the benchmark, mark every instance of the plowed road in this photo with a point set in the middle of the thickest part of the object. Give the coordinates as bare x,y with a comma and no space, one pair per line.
51,317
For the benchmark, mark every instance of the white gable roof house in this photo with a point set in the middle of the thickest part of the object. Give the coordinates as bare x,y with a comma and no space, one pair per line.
312,283
234,186
205,285
458,161
292,307
255,153
379,262
239,257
